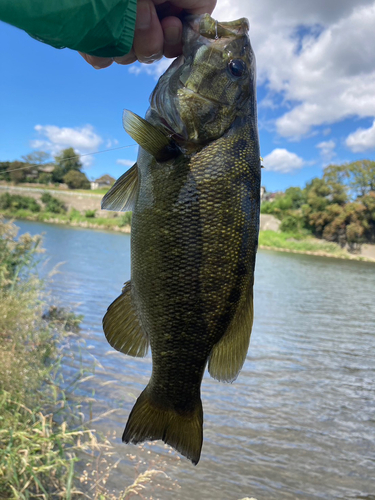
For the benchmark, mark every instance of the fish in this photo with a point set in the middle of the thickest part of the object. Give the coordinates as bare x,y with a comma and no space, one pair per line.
194,193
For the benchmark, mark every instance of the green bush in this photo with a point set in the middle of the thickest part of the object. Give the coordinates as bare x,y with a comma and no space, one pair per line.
90,214
53,204
16,202
74,214
76,180
125,219
45,178
292,223
42,436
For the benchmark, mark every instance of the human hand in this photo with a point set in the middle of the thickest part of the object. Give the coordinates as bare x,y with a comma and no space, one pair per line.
158,31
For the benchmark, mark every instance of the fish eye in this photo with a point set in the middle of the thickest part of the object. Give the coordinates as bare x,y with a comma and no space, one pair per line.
237,67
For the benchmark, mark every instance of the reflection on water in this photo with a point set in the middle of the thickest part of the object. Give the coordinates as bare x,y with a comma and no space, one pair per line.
298,423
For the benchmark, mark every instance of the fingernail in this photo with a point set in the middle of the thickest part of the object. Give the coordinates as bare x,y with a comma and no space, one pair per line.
128,59
151,59
172,35
143,19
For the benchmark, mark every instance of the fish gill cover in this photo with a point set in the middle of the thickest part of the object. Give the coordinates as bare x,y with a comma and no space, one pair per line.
195,197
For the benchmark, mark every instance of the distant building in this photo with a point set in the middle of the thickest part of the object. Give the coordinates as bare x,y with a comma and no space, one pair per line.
48,169
265,196
105,181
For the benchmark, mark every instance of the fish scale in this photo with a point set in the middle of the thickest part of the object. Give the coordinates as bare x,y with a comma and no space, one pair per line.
195,196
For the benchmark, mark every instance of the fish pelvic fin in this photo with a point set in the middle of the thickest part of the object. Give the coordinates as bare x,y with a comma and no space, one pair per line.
122,327
150,421
228,355
122,195
150,138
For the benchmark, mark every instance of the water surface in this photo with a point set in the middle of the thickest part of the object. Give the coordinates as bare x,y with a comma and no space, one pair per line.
298,423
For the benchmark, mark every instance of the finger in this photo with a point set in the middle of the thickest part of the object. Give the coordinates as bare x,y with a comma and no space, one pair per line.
172,29
97,62
148,36
127,59
192,6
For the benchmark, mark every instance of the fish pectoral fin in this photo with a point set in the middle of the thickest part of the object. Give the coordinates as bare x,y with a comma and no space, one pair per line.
122,195
228,355
149,137
149,421
122,327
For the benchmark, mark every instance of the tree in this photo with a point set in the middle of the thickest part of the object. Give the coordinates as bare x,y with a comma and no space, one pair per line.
76,180
17,171
4,171
68,160
357,177
58,174
36,158
45,178
362,179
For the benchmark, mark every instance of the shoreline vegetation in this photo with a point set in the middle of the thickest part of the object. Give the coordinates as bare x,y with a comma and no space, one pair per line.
48,208
47,450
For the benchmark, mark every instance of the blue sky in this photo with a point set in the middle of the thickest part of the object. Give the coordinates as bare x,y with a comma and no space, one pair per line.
316,92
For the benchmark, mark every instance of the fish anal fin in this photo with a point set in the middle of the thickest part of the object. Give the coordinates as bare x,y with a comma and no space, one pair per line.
122,195
228,355
122,327
150,421
150,138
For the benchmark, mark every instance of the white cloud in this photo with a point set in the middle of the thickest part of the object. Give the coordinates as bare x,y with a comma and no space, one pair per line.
111,142
327,149
126,163
54,139
155,69
316,56
362,139
282,160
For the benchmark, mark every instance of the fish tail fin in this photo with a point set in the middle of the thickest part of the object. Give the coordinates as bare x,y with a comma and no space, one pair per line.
150,421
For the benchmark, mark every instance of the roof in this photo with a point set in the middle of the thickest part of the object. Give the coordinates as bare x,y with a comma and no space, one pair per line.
105,179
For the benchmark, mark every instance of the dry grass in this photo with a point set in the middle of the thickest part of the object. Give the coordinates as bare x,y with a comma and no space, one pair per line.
43,441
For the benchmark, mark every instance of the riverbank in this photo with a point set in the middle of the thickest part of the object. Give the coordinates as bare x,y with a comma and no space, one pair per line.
268,240
287,242
74,218
46,448
89,215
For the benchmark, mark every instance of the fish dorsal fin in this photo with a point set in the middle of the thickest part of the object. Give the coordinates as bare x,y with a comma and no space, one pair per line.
229,354
122,327
149,137
123,193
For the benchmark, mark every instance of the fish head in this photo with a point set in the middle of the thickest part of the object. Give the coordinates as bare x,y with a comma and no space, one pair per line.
211,85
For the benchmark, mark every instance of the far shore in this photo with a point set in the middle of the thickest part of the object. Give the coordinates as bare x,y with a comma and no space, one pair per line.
268,240
81,202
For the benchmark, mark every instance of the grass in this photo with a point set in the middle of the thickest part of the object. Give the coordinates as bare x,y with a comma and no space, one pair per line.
101,191
300,243
42,435
74,218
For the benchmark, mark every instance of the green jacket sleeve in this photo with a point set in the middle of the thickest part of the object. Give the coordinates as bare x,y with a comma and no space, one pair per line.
97,27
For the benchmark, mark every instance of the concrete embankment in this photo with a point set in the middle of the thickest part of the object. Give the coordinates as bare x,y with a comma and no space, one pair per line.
83,201
91,201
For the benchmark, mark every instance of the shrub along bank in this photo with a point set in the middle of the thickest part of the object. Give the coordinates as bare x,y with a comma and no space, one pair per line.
42,437
51,209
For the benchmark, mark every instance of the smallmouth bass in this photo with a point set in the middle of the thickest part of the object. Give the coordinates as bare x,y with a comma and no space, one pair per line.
195,196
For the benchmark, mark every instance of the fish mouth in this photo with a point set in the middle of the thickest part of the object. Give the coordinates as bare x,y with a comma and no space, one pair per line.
200,33
200,97
207,27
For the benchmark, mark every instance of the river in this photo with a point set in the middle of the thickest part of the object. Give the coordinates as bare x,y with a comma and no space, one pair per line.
298,423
